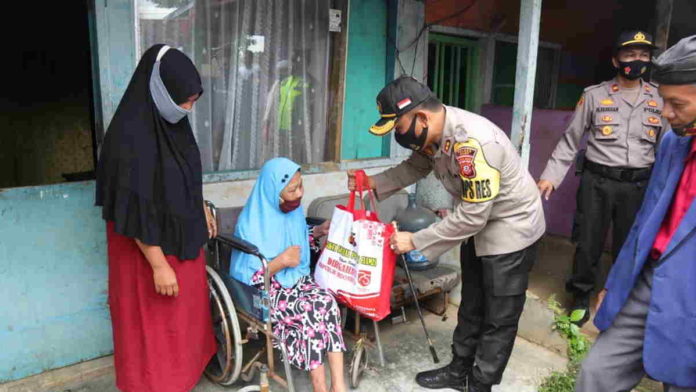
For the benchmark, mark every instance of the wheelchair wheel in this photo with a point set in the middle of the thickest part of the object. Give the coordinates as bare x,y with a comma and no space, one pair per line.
226,365
358,364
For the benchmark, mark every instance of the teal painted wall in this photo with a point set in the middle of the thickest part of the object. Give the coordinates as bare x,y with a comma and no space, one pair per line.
53,270
365,75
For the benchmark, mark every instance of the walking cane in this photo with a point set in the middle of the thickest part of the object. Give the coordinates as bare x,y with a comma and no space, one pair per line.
415,299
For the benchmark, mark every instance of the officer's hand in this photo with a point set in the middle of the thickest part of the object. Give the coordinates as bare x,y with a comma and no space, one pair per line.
402,242
545,188
351,181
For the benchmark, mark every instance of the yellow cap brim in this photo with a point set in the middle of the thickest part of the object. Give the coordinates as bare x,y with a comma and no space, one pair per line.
383,126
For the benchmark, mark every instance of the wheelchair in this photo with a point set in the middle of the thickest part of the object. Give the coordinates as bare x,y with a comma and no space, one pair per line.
232,301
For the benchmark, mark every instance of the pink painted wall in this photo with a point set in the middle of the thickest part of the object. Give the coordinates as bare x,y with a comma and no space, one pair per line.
547,128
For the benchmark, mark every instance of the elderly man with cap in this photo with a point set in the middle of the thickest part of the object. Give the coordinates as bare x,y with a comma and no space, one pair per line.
621,118
648,314
499,212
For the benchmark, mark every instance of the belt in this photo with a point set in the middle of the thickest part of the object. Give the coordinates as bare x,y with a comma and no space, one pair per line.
619,174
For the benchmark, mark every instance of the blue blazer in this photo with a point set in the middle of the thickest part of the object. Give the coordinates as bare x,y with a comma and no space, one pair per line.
669,351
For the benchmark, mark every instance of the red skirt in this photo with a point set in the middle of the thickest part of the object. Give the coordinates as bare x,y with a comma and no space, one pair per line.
161,343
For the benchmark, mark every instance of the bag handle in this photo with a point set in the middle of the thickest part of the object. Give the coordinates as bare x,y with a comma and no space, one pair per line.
362,185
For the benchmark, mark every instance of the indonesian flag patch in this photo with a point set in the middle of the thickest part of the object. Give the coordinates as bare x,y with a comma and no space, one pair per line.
403,103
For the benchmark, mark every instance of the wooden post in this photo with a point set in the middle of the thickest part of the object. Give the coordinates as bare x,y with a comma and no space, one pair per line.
663,16
528,45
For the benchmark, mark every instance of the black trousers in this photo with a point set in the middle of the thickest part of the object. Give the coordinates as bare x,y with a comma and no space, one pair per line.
600,202
493,296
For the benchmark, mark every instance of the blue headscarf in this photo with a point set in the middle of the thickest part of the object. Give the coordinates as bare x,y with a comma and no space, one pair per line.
263,224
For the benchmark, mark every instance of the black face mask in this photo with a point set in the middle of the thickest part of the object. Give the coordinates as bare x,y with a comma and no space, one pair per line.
409,139
632,70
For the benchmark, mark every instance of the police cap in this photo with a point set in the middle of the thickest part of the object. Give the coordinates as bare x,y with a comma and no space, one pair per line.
396,98
634,38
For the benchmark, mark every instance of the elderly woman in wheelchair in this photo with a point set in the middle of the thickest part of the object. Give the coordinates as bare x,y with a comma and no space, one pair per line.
305,318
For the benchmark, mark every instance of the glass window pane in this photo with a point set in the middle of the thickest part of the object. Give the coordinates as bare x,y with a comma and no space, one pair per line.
264,65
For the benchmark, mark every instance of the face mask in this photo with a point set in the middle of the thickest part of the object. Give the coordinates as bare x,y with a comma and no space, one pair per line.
409,139
166,106
632,70
689,130
289,206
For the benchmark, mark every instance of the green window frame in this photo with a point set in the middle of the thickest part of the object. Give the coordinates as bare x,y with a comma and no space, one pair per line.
453,70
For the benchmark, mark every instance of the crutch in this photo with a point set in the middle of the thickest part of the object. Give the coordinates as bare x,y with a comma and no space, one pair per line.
415,299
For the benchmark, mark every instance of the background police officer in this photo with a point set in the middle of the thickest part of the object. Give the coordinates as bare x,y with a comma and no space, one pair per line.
621,118
498,208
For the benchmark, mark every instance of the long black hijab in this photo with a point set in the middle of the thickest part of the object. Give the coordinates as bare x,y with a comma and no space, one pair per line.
149,175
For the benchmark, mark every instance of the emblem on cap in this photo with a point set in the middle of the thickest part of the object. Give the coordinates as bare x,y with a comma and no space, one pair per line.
639,36
607,102
607,130
651,132
653,120
607,119
652,103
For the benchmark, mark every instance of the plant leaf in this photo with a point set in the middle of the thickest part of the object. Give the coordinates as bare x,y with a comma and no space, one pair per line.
577,315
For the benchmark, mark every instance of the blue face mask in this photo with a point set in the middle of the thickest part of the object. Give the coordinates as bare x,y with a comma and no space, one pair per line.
166,106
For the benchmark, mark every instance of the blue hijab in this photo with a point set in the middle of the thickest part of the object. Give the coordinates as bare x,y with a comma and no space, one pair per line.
263,224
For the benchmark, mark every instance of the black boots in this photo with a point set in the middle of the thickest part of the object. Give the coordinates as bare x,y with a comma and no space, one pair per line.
457,375
452,376
473,385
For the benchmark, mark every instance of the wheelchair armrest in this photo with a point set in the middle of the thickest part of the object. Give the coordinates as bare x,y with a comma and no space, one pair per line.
315,221
239,244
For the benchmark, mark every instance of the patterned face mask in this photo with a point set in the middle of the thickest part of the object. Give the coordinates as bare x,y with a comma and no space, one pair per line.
632,70
689,130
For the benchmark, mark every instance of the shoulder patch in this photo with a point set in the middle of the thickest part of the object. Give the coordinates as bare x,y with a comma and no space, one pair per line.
480,181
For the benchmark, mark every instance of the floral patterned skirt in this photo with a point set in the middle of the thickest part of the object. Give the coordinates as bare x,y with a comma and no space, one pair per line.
306,320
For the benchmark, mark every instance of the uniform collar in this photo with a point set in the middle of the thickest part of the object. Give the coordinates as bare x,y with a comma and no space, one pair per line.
447,139
646,88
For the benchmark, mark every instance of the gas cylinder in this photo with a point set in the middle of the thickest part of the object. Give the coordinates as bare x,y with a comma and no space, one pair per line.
413,219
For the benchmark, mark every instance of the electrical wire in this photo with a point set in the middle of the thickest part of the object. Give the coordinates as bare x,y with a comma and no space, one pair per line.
426,26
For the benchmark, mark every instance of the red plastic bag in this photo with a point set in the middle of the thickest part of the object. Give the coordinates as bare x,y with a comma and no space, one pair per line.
357,264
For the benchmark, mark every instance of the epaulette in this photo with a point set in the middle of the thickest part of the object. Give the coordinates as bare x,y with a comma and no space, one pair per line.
594,86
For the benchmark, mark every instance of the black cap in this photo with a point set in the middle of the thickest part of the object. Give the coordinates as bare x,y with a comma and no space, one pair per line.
677,65
634,38
396,98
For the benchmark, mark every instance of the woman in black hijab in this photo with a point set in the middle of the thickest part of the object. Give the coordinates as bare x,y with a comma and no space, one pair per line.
149,185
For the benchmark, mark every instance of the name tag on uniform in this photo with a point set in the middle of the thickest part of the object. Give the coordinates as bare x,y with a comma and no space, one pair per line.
480,181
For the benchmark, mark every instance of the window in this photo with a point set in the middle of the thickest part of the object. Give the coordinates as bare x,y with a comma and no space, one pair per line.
265,69
504,75
452,69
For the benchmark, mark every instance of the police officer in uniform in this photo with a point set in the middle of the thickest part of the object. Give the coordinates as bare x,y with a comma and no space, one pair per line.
621,118
498,211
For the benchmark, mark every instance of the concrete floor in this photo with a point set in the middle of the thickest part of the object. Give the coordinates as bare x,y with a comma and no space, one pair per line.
406,353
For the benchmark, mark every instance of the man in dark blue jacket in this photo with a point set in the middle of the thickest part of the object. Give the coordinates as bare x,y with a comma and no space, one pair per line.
648,315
